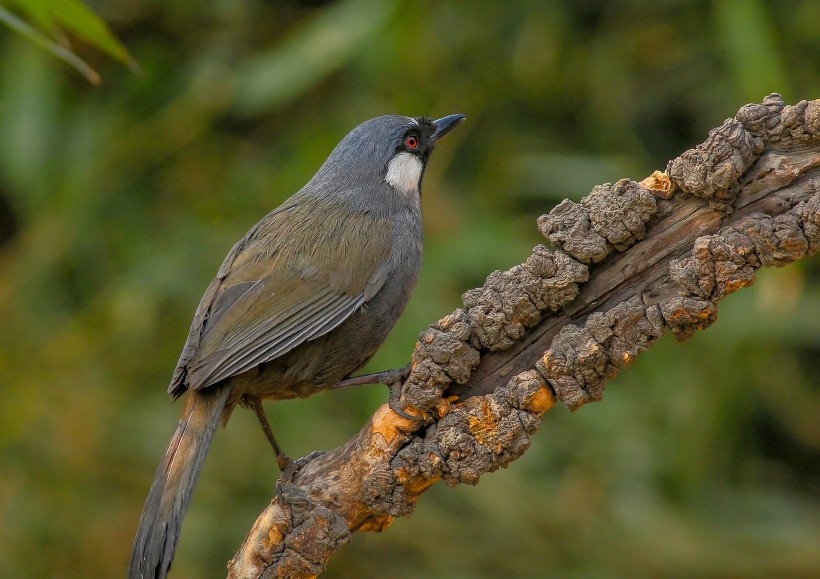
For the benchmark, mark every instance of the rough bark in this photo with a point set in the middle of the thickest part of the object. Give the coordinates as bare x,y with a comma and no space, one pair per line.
633,261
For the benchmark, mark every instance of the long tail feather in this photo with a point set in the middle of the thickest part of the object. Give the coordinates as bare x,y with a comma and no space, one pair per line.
174,483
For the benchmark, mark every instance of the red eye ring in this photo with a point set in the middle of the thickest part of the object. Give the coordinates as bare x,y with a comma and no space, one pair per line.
411,141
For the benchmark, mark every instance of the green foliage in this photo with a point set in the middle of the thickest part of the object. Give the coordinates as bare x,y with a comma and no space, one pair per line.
72,16
118,203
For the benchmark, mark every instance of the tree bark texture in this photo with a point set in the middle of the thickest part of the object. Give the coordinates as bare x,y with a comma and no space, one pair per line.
632,261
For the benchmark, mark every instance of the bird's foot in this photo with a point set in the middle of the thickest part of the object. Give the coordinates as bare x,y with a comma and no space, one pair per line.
295,466
394,400
284,462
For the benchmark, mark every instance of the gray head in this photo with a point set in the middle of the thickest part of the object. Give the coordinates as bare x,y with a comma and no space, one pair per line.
390,148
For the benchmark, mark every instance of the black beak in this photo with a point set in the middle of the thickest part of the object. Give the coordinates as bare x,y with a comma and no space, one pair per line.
446,124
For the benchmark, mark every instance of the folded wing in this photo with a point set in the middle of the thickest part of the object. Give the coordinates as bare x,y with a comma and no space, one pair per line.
278,289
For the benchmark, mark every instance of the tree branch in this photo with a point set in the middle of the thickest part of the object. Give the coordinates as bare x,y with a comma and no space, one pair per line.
635,260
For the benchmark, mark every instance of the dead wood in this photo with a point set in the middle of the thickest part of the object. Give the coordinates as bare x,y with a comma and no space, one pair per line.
633,261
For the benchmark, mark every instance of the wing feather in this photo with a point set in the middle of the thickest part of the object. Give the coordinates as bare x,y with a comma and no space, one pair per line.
311,329
263,346
269,297
290,313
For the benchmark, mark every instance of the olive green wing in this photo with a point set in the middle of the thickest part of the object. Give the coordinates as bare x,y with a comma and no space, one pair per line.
280,288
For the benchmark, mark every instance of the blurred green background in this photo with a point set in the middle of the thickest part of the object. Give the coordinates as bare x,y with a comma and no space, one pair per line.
118,203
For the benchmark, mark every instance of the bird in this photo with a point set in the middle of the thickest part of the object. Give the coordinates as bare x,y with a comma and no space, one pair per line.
299,304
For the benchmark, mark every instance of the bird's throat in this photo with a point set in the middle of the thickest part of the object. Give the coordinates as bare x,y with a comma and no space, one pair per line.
404,174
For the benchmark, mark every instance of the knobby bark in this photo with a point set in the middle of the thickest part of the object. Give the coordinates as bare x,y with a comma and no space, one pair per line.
633,261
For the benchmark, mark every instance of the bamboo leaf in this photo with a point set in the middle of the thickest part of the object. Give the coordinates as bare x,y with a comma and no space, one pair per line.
46,43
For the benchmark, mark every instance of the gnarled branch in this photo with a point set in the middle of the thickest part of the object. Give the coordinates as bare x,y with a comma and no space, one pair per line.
635,260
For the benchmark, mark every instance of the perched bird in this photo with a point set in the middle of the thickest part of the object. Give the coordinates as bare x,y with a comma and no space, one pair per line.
299,304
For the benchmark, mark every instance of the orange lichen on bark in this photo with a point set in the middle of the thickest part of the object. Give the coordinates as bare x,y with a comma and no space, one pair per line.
659,184
415,485
390,424
485,426
541,401
375,523
274,535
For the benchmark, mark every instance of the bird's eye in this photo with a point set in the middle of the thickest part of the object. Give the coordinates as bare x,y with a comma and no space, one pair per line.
411,141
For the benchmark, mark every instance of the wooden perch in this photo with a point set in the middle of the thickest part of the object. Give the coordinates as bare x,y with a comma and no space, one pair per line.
635,260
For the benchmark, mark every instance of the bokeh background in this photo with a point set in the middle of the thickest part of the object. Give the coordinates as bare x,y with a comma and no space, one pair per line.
118,203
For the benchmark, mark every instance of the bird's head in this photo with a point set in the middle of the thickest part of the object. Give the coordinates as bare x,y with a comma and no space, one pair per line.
391,149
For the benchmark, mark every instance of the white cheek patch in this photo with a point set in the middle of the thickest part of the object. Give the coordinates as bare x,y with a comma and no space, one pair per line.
404,172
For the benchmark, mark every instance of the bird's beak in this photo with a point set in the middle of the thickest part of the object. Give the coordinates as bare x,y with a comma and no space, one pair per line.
446,124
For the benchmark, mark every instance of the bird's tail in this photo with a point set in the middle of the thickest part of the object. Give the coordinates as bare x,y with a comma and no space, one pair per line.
174,483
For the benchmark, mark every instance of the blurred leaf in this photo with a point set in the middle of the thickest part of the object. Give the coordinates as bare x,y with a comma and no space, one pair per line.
63,54
72,16
309,54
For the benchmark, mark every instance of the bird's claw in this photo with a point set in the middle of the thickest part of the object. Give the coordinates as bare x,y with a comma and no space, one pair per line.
287,473
395,398
294,466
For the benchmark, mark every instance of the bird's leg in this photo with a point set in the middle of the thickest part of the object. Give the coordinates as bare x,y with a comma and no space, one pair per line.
392,378
388,377
282,460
